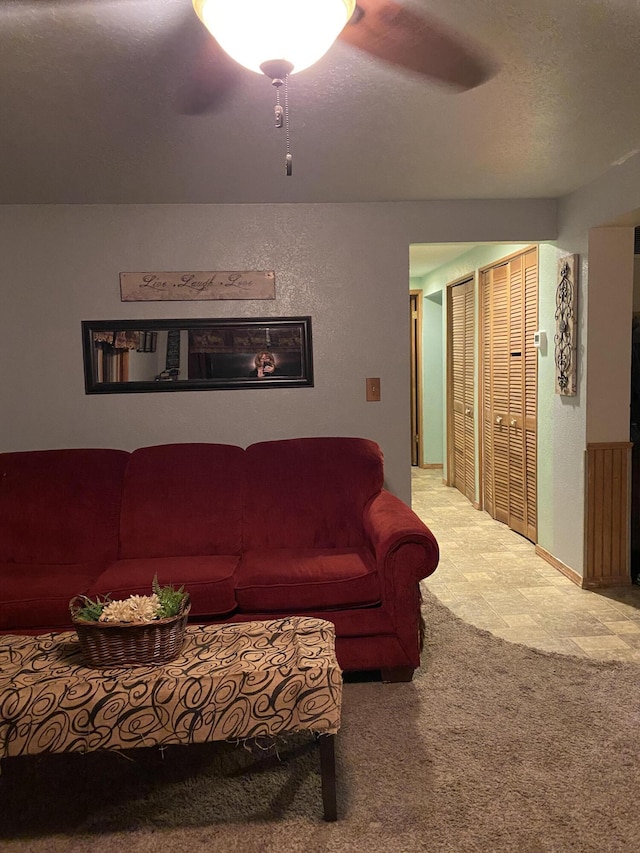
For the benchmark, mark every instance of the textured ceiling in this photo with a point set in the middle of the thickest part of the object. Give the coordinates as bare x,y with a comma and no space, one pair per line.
88,109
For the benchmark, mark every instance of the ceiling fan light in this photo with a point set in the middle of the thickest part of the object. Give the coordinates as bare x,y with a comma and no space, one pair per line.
256,31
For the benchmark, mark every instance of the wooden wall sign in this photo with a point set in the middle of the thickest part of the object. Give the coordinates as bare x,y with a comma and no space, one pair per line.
188,286
566,326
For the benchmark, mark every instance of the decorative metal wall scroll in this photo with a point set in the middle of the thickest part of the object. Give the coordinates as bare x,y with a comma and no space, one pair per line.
188,286
565,338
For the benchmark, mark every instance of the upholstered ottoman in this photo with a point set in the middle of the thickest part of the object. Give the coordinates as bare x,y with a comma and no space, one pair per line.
238,681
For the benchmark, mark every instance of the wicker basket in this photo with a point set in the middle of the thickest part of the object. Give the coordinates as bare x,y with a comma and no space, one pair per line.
108,644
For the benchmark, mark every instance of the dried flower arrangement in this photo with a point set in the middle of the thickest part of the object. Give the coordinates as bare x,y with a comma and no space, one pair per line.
136,631
164,602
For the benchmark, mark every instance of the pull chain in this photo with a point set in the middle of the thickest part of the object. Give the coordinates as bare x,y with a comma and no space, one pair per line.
288,158
282,118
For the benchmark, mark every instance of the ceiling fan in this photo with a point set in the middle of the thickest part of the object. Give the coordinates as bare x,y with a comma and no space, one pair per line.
385,29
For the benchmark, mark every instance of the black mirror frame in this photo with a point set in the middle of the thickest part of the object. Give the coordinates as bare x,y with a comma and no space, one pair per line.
93,386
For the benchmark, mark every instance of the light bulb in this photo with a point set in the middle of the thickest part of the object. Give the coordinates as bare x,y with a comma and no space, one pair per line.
256,31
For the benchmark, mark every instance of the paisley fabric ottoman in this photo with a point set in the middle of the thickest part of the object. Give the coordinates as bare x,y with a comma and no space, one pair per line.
236,682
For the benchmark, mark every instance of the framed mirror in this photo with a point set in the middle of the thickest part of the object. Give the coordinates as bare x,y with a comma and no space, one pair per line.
125,356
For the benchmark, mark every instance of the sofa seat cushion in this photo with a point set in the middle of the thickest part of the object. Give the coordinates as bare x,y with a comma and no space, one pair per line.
297,579
207,579
38,595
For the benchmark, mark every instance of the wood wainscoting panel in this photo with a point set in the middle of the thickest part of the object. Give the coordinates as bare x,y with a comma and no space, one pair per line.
607,508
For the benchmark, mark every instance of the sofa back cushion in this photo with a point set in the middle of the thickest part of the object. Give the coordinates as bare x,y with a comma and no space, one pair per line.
182,499
60,506
309,492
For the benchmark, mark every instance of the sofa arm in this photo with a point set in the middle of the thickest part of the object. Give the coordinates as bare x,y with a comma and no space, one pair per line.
405,551
400,540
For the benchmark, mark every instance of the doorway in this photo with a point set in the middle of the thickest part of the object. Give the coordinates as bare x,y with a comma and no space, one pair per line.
634,433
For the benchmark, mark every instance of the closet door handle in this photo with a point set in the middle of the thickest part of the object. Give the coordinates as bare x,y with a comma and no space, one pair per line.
467,411
513,422
498,419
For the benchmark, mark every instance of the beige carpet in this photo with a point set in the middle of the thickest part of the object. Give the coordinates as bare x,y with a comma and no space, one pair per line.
493,747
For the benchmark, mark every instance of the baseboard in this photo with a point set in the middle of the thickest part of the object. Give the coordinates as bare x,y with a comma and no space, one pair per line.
560,566
584,583
432,465
604,583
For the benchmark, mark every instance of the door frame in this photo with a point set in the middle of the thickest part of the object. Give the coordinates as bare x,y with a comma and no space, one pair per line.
469,277
415,336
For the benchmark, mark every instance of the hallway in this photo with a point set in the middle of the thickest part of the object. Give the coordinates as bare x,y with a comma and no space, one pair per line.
491,577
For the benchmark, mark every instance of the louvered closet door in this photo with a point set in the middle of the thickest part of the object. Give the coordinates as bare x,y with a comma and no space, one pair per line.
487,374
469,393
517,462
509,386
461,330
530,272
496,397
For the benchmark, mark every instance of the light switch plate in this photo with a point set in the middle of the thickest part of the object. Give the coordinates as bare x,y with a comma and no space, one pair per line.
373,390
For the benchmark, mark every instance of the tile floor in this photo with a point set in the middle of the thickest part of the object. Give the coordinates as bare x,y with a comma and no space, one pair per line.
490,576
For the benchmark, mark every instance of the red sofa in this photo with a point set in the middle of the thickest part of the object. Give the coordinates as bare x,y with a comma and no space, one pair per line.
294,526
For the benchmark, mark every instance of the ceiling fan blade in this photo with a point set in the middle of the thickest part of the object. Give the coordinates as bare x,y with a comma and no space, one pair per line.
405,38
211,74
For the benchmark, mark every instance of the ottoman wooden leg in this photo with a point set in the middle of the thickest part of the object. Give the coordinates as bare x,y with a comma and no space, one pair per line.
328,776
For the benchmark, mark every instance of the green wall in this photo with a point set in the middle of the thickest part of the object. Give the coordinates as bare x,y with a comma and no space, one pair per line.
433,381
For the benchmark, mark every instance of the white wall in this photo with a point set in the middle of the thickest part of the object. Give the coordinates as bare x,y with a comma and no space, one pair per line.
609,333
613,199
345,265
